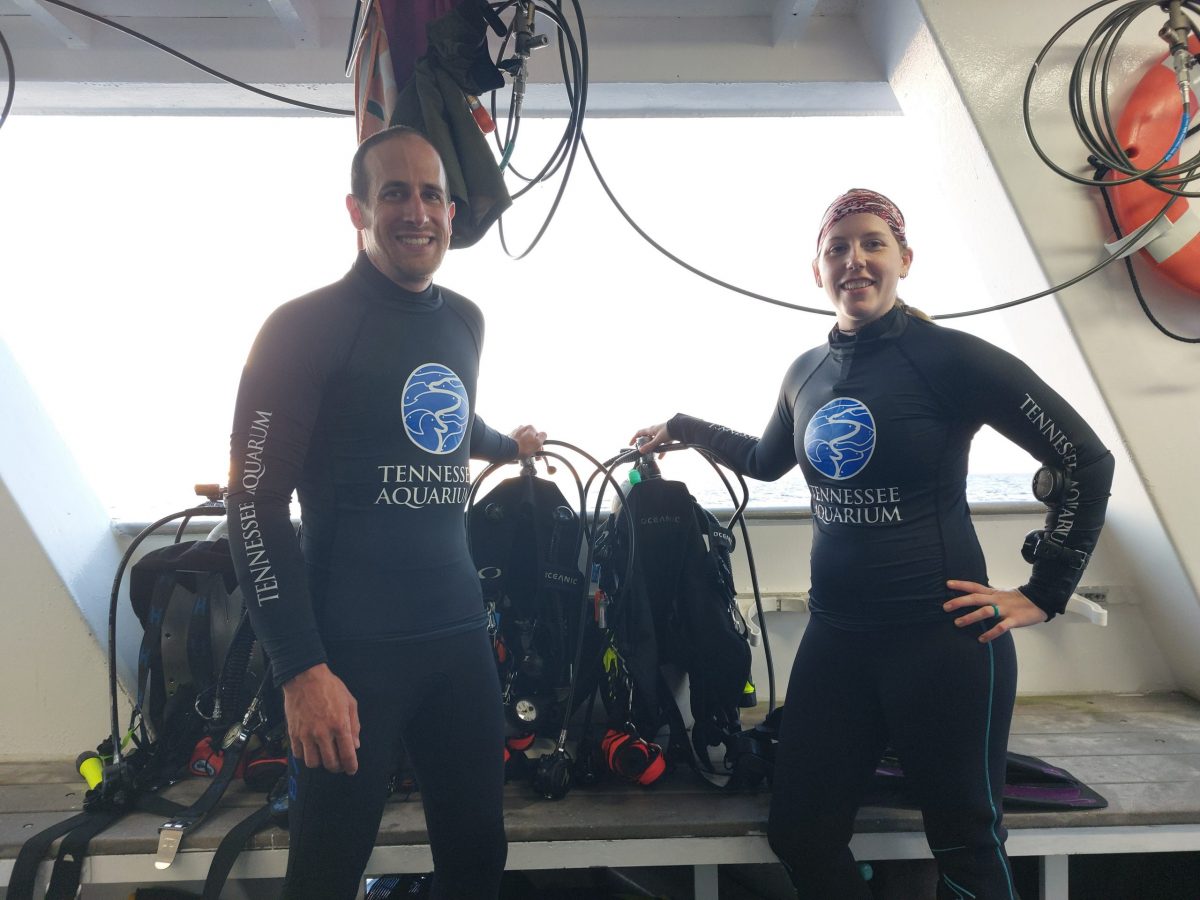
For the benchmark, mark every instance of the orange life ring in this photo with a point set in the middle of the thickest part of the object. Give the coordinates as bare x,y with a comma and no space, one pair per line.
1148,126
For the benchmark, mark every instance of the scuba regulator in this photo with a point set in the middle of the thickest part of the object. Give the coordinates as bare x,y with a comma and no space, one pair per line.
1051,485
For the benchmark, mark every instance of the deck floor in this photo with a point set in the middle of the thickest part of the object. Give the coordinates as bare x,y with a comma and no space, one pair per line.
1142,752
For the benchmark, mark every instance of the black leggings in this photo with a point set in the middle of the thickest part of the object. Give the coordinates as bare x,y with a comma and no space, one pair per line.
943,701
439,700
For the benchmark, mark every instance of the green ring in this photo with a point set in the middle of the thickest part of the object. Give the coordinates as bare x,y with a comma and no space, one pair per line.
995,611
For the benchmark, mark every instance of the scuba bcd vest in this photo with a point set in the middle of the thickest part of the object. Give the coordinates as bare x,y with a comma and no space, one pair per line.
525,542
197,667
675,607
200,683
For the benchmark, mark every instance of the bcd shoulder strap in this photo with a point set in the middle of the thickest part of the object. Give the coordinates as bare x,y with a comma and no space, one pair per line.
273,812
77,832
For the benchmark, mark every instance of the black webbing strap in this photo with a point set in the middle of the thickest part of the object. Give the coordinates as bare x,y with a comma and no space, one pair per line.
682,749
586,734
151,693
171,832
157,806
68,865
68,871
232,749
678,748
31,854
231,846
203,805
199,636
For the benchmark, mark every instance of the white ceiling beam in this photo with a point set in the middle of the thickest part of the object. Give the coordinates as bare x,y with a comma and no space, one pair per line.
73,30
605,100
300,19
789,20
256,49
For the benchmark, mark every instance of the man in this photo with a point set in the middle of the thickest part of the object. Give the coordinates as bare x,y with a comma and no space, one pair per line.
361,396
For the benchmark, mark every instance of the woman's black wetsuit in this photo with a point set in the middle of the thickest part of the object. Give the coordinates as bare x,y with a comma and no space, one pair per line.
881,424
360,396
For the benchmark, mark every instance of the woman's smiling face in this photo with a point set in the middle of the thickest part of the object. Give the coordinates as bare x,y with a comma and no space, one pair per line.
860,264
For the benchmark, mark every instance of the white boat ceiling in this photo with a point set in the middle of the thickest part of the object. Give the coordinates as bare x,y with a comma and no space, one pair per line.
661,57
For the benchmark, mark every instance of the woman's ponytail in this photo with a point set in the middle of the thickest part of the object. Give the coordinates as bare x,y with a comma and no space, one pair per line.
912,311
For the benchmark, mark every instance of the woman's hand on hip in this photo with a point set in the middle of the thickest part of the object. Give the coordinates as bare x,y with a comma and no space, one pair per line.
1003,610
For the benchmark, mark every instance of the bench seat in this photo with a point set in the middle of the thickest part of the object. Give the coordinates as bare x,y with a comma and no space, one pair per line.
1142,752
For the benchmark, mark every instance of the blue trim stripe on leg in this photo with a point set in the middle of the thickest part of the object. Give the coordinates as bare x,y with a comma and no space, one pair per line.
987,768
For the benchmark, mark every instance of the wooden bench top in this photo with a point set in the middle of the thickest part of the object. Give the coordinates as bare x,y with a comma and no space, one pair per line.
1142,752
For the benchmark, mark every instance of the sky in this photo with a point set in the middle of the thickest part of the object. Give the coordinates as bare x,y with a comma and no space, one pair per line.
142,254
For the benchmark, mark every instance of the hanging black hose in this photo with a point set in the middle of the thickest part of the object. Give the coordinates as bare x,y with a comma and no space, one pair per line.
1133,280
1173,178
573,58
1090,107
158,45
1088,102
12,80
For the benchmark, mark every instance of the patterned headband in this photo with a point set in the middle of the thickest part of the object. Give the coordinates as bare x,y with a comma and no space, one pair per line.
861,200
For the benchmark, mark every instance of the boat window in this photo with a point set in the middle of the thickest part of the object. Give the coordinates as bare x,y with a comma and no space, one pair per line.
142,254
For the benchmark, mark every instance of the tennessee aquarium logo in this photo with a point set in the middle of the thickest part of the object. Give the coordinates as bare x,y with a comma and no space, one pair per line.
436,410
840,438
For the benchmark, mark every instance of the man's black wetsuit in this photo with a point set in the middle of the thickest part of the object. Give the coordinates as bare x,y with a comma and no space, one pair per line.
881,423
360,396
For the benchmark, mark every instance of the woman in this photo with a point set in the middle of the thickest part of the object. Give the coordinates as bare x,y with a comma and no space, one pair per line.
907,645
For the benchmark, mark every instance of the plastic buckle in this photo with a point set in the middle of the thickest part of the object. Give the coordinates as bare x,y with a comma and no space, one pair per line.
1037,546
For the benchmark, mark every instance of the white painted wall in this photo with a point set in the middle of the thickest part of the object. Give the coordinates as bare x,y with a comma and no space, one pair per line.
56,545
1065,656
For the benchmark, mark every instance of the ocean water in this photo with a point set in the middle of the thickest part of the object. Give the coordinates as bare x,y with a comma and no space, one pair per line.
791,491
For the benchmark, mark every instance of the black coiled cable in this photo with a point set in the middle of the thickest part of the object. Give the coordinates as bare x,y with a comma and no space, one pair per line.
1090,108
573,59
1133,280
1091,112
158,45
1088,102
12,80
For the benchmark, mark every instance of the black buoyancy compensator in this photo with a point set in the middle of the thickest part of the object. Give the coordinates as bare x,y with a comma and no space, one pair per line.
676,606
526,541
200,682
